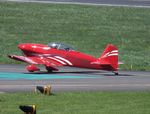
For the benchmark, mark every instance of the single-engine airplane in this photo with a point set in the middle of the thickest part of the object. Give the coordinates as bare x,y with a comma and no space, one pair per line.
58,54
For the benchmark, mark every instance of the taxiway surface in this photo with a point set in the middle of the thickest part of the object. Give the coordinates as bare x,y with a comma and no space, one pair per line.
128,3
115,2
16,78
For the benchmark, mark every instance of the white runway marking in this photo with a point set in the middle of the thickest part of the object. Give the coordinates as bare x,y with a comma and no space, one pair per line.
80,85
78,3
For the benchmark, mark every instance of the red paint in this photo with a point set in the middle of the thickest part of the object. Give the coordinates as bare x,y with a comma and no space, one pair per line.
57,54
32,68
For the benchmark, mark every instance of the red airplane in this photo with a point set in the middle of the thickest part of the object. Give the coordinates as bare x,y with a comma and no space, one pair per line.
59,54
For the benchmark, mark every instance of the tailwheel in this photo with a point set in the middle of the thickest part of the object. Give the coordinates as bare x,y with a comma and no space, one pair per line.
49,70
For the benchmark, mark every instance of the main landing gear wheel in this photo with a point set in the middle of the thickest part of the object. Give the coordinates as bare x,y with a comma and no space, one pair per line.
49,70
116,73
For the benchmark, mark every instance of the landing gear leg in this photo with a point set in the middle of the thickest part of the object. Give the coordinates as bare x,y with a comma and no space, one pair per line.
116,73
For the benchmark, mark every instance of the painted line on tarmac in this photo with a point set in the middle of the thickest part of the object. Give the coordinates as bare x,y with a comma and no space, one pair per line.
81,85
19,76
78,3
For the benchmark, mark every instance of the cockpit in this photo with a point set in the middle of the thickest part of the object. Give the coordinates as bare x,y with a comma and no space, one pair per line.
60,46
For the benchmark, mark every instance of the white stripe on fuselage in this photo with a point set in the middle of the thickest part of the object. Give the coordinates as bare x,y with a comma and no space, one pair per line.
57,60
65,60
112,53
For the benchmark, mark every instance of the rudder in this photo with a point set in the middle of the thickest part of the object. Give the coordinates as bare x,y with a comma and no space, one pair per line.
110,56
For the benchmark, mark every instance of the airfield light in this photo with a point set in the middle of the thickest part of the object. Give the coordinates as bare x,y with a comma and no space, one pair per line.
44,89
30,109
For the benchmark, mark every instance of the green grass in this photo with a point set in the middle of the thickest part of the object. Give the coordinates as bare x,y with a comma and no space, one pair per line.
88,28
78,103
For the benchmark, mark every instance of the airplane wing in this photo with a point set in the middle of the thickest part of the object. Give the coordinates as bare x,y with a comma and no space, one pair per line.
31,60
37,60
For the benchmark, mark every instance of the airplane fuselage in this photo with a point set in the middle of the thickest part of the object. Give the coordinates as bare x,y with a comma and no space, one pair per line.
69,58
59,54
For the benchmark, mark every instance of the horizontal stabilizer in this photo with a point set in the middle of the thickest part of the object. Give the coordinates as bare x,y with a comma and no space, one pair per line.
120,63
110,57
101,62
104,63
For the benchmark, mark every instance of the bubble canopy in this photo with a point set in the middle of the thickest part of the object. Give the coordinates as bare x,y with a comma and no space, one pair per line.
60,46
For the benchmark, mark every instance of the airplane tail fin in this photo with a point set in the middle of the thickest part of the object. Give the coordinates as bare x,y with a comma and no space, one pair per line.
109,57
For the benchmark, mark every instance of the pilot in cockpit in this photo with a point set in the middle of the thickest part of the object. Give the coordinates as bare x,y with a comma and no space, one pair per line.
54,45
60,46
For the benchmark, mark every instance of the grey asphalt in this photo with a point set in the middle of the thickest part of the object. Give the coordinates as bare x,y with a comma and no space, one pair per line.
115,2
104,81
144,3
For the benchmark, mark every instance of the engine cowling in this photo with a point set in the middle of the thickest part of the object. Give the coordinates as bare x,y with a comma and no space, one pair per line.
32,68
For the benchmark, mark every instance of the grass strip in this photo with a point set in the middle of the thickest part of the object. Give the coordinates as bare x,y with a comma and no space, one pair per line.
88,28
78,103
